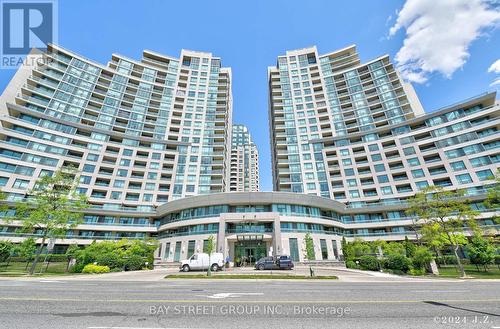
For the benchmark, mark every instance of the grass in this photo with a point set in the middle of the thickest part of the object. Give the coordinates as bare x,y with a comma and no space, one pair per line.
249,276
19,269
451,271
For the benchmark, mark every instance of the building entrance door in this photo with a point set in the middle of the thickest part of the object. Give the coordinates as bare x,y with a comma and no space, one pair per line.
248,252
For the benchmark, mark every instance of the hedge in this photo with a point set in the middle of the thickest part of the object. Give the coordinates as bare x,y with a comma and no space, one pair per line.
95,269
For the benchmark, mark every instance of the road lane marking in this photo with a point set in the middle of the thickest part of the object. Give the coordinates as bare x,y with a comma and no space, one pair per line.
185,301
443,291
223,295
136,328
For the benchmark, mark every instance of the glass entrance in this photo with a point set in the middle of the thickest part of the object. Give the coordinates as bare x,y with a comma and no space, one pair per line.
248,252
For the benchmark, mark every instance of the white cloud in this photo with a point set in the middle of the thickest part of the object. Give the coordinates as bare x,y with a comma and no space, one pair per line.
438,34
495,82
495,67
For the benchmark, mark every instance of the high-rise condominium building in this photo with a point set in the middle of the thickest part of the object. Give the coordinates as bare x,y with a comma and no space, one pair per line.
141,132
244,161
355,132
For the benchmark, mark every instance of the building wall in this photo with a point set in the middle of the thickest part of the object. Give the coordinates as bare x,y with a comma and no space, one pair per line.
244,161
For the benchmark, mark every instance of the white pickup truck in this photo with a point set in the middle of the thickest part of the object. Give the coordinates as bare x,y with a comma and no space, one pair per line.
200,261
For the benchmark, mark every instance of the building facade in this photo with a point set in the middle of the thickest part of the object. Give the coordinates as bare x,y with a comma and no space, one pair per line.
244,161
153,140
141,133
314,97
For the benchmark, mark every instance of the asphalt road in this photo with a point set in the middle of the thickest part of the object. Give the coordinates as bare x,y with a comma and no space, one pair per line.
93,304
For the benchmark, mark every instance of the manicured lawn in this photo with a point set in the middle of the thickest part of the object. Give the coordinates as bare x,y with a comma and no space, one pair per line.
19,268
471,270
249,276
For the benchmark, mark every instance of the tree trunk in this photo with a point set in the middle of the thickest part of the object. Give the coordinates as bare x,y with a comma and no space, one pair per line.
209,271
459,262
455,247
37,256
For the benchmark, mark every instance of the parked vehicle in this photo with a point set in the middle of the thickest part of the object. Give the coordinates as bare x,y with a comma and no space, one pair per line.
274,263
200,261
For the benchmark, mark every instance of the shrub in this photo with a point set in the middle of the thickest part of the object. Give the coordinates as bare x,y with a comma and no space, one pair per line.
369,263
497,260
351,264
421,258
393,248
128,254
78,268
417,271
111,260
95,269
398,263
134,263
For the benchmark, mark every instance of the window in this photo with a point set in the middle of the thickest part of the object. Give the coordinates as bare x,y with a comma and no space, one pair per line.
484,174
349,172
383,179
88,168
386,190
20,184
354,193
119,183
413,162
464,179
379,167
376,157
351,182
409,150
421,185
417,173
373,147
457,165
92,157
481,161
324,249
122,173
115,195
85,179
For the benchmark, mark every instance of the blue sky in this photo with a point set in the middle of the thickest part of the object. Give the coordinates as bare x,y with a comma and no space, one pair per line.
249,35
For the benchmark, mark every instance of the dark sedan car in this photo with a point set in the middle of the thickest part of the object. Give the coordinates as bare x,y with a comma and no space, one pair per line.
274,263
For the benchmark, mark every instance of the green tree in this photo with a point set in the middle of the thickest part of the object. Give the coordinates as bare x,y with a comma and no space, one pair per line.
447,211
310,254
26,250
5,250
409,247
210,250
481,251
421,258
53,206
